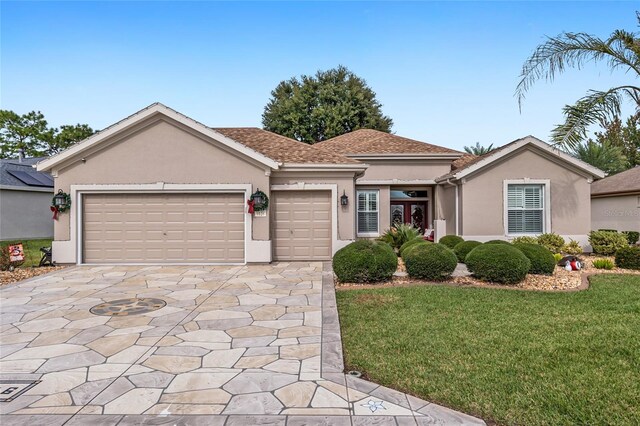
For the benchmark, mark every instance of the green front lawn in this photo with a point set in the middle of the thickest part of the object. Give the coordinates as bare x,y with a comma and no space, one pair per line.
32,252
513,357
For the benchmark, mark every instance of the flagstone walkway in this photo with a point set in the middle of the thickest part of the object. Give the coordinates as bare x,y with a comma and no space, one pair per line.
255,344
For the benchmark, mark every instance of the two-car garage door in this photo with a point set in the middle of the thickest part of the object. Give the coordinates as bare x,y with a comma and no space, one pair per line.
159,228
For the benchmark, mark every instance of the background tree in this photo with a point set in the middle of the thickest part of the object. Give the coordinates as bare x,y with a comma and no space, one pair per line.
621,51
328,104
624,136
606,157
478,149
31,133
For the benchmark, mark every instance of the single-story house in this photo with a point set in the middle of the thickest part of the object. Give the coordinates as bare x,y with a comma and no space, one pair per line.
615,202
160,187
25,198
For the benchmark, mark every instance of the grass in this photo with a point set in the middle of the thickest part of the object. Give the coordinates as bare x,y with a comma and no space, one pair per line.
32,252
511,357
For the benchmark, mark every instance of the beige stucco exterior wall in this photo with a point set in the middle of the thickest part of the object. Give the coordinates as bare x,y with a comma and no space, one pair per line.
483,200
344,182
405,169
160,151
620,212
446,207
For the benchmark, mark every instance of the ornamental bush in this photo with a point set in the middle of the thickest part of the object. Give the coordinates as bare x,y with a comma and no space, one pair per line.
507,243
628,258
542,260
551,241
430,261
572,247
525,239
450,241
603,264
607,243
409,244
632,236
365,261
498,263
397,235
410,248
462,249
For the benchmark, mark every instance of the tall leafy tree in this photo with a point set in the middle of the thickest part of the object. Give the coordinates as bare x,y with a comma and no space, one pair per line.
31,133
624,136
620,51
606,157
478,149
319,107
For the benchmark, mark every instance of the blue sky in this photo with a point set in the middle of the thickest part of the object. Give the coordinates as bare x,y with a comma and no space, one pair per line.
445,72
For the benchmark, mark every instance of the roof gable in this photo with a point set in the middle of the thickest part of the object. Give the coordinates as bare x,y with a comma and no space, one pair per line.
146,113
489,158
627,181
375,142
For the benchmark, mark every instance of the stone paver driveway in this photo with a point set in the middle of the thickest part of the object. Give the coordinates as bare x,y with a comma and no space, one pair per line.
253,344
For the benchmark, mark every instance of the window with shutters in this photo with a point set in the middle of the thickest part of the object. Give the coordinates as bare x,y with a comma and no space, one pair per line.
368,213
525,209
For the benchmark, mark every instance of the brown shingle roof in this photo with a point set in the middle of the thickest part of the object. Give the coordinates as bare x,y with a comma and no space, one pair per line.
367,141
463,161
627,181
280,148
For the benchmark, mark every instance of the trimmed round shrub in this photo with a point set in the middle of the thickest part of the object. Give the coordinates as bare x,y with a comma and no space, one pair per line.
408,249
628,258
551,241
507,243
365,261
498,263
542,260
430,261
462,249
409,244
607,243
451,241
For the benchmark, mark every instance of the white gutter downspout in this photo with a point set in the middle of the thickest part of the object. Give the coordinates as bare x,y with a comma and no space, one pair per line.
456,196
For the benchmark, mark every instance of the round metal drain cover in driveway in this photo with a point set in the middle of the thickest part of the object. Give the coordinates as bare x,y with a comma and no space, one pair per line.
124,307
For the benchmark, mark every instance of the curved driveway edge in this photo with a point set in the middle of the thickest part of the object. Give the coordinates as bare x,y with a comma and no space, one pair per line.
256,344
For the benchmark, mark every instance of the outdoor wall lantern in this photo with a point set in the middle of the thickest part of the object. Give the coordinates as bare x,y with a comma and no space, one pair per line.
60,203
344,199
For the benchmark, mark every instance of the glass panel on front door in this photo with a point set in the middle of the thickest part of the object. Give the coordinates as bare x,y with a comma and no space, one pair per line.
410,212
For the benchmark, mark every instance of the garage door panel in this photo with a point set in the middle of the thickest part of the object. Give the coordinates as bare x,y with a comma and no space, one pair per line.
301,225
153,228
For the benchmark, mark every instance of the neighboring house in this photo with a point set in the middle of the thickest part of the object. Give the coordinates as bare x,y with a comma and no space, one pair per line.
160,187
25,198
615,202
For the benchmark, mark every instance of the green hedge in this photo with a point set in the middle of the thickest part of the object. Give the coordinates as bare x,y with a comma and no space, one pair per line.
411,247
462,249
498,263
430,262
607,243
409,243
451,241
632,236
365,261
541,258
628,258
551,241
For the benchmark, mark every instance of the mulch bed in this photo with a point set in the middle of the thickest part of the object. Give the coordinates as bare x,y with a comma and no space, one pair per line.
19,274
561,280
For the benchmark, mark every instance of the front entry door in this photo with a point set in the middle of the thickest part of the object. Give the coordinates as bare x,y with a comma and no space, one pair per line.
409,212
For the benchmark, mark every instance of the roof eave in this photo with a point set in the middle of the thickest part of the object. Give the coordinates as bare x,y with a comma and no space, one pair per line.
406,156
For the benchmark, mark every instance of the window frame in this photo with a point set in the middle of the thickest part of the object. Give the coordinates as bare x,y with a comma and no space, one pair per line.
377,211
546,206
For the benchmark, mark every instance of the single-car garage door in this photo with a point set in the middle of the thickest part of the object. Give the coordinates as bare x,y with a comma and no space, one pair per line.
301,225
159,228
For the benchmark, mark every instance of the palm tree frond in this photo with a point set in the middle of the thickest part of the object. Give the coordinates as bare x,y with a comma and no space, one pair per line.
594,108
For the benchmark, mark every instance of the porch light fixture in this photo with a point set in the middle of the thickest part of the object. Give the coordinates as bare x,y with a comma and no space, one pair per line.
344,199
257,198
